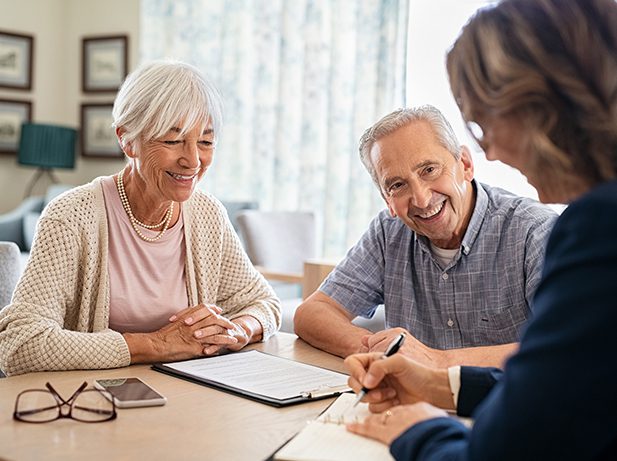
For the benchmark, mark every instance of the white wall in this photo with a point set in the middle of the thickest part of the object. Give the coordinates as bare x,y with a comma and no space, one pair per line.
58,27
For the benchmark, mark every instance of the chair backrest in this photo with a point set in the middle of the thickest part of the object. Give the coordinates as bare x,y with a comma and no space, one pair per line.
278,240
54,190
12,223
233,208
31,218
10,271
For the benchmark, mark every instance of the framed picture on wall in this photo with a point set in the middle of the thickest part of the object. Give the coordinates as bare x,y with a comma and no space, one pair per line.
16,60
12,115
104,63
98,138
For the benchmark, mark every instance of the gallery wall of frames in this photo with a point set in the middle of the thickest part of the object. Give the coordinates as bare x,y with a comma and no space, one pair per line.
104,64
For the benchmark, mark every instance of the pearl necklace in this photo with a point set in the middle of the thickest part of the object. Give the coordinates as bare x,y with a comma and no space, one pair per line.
134,222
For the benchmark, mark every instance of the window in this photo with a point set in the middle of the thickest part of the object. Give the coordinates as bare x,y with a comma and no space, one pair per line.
433,28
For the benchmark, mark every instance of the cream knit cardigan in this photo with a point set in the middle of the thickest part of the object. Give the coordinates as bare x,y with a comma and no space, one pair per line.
59,315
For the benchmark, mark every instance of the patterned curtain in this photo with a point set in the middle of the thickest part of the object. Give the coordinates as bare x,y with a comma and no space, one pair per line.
300,80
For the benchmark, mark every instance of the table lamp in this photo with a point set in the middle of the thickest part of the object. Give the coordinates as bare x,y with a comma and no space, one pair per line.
46,147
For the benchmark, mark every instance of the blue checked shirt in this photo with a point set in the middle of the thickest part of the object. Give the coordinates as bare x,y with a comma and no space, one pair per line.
481,298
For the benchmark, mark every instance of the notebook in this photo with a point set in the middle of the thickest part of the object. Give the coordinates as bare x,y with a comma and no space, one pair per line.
326,438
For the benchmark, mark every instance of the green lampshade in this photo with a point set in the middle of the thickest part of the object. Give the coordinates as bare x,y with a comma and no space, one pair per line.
47,146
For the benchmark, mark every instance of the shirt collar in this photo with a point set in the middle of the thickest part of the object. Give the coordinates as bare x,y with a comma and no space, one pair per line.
475,223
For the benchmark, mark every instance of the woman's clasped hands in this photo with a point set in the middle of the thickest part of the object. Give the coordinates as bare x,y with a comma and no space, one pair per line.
399,389
202,330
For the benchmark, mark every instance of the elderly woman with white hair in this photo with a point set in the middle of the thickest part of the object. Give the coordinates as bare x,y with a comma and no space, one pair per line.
140,266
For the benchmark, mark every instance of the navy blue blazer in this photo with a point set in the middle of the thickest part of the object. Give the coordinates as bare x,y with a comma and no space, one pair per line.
476,383
557,398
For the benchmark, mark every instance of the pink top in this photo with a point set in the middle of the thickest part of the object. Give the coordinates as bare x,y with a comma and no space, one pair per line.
147,282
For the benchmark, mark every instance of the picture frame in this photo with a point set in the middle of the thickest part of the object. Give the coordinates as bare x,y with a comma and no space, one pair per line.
104,63
98,138
16,60
12,115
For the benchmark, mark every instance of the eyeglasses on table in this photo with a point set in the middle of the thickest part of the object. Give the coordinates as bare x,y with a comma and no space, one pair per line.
45,405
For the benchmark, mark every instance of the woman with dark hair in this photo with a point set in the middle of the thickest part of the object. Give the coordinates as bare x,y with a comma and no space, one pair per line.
536,81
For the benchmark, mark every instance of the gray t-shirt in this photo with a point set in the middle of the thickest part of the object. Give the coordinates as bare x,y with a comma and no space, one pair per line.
481,298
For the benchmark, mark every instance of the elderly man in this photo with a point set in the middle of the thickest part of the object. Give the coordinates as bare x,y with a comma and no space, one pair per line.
455,262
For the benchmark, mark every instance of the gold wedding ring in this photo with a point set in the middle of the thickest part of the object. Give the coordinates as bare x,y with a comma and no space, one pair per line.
386,415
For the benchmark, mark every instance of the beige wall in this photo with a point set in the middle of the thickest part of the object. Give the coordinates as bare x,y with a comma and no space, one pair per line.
58,27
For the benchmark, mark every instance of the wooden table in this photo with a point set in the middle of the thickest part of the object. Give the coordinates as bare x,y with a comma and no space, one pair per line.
196,423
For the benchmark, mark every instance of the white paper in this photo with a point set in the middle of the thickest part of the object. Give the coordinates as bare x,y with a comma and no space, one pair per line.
263,374
327,439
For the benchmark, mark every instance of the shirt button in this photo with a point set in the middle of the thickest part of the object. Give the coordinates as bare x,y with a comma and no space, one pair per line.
444,276
450,322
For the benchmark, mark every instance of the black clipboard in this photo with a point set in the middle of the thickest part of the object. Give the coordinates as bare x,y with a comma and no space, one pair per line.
304,396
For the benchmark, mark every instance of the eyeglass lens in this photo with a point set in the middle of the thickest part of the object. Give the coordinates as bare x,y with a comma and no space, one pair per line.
39,406
477,133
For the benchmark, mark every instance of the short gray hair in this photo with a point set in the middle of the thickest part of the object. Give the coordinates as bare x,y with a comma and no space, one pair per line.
160,95
400,118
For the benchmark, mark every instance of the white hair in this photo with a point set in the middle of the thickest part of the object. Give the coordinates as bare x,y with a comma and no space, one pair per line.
401,117
161,95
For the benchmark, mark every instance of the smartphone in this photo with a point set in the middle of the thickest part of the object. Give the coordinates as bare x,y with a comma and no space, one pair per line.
130,392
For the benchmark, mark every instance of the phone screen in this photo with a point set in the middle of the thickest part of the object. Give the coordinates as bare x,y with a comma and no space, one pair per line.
129,389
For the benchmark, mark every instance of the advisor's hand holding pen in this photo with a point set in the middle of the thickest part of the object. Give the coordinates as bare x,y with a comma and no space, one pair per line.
397,380
392,349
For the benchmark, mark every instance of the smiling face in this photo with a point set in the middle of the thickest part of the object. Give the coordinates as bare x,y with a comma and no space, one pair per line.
168,168
423,184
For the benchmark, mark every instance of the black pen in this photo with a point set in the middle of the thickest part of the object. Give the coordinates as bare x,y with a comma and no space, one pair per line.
392,349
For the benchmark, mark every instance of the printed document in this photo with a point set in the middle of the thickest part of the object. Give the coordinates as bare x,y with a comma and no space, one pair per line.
264,374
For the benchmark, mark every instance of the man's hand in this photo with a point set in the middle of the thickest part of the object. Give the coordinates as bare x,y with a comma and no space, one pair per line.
412,348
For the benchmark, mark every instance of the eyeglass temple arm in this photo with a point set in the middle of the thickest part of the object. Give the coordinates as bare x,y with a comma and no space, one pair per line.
59,397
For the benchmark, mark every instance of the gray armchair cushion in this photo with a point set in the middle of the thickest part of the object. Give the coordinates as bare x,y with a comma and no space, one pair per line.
54,190
279,240
233,208
10,270
30,220
32,217
12,223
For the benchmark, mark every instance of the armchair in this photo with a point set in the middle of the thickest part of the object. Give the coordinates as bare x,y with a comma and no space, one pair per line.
233,208
10,270
278,243
19,224
12,223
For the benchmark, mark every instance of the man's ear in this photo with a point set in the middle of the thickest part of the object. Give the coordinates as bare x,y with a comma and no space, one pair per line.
467,162
390,207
